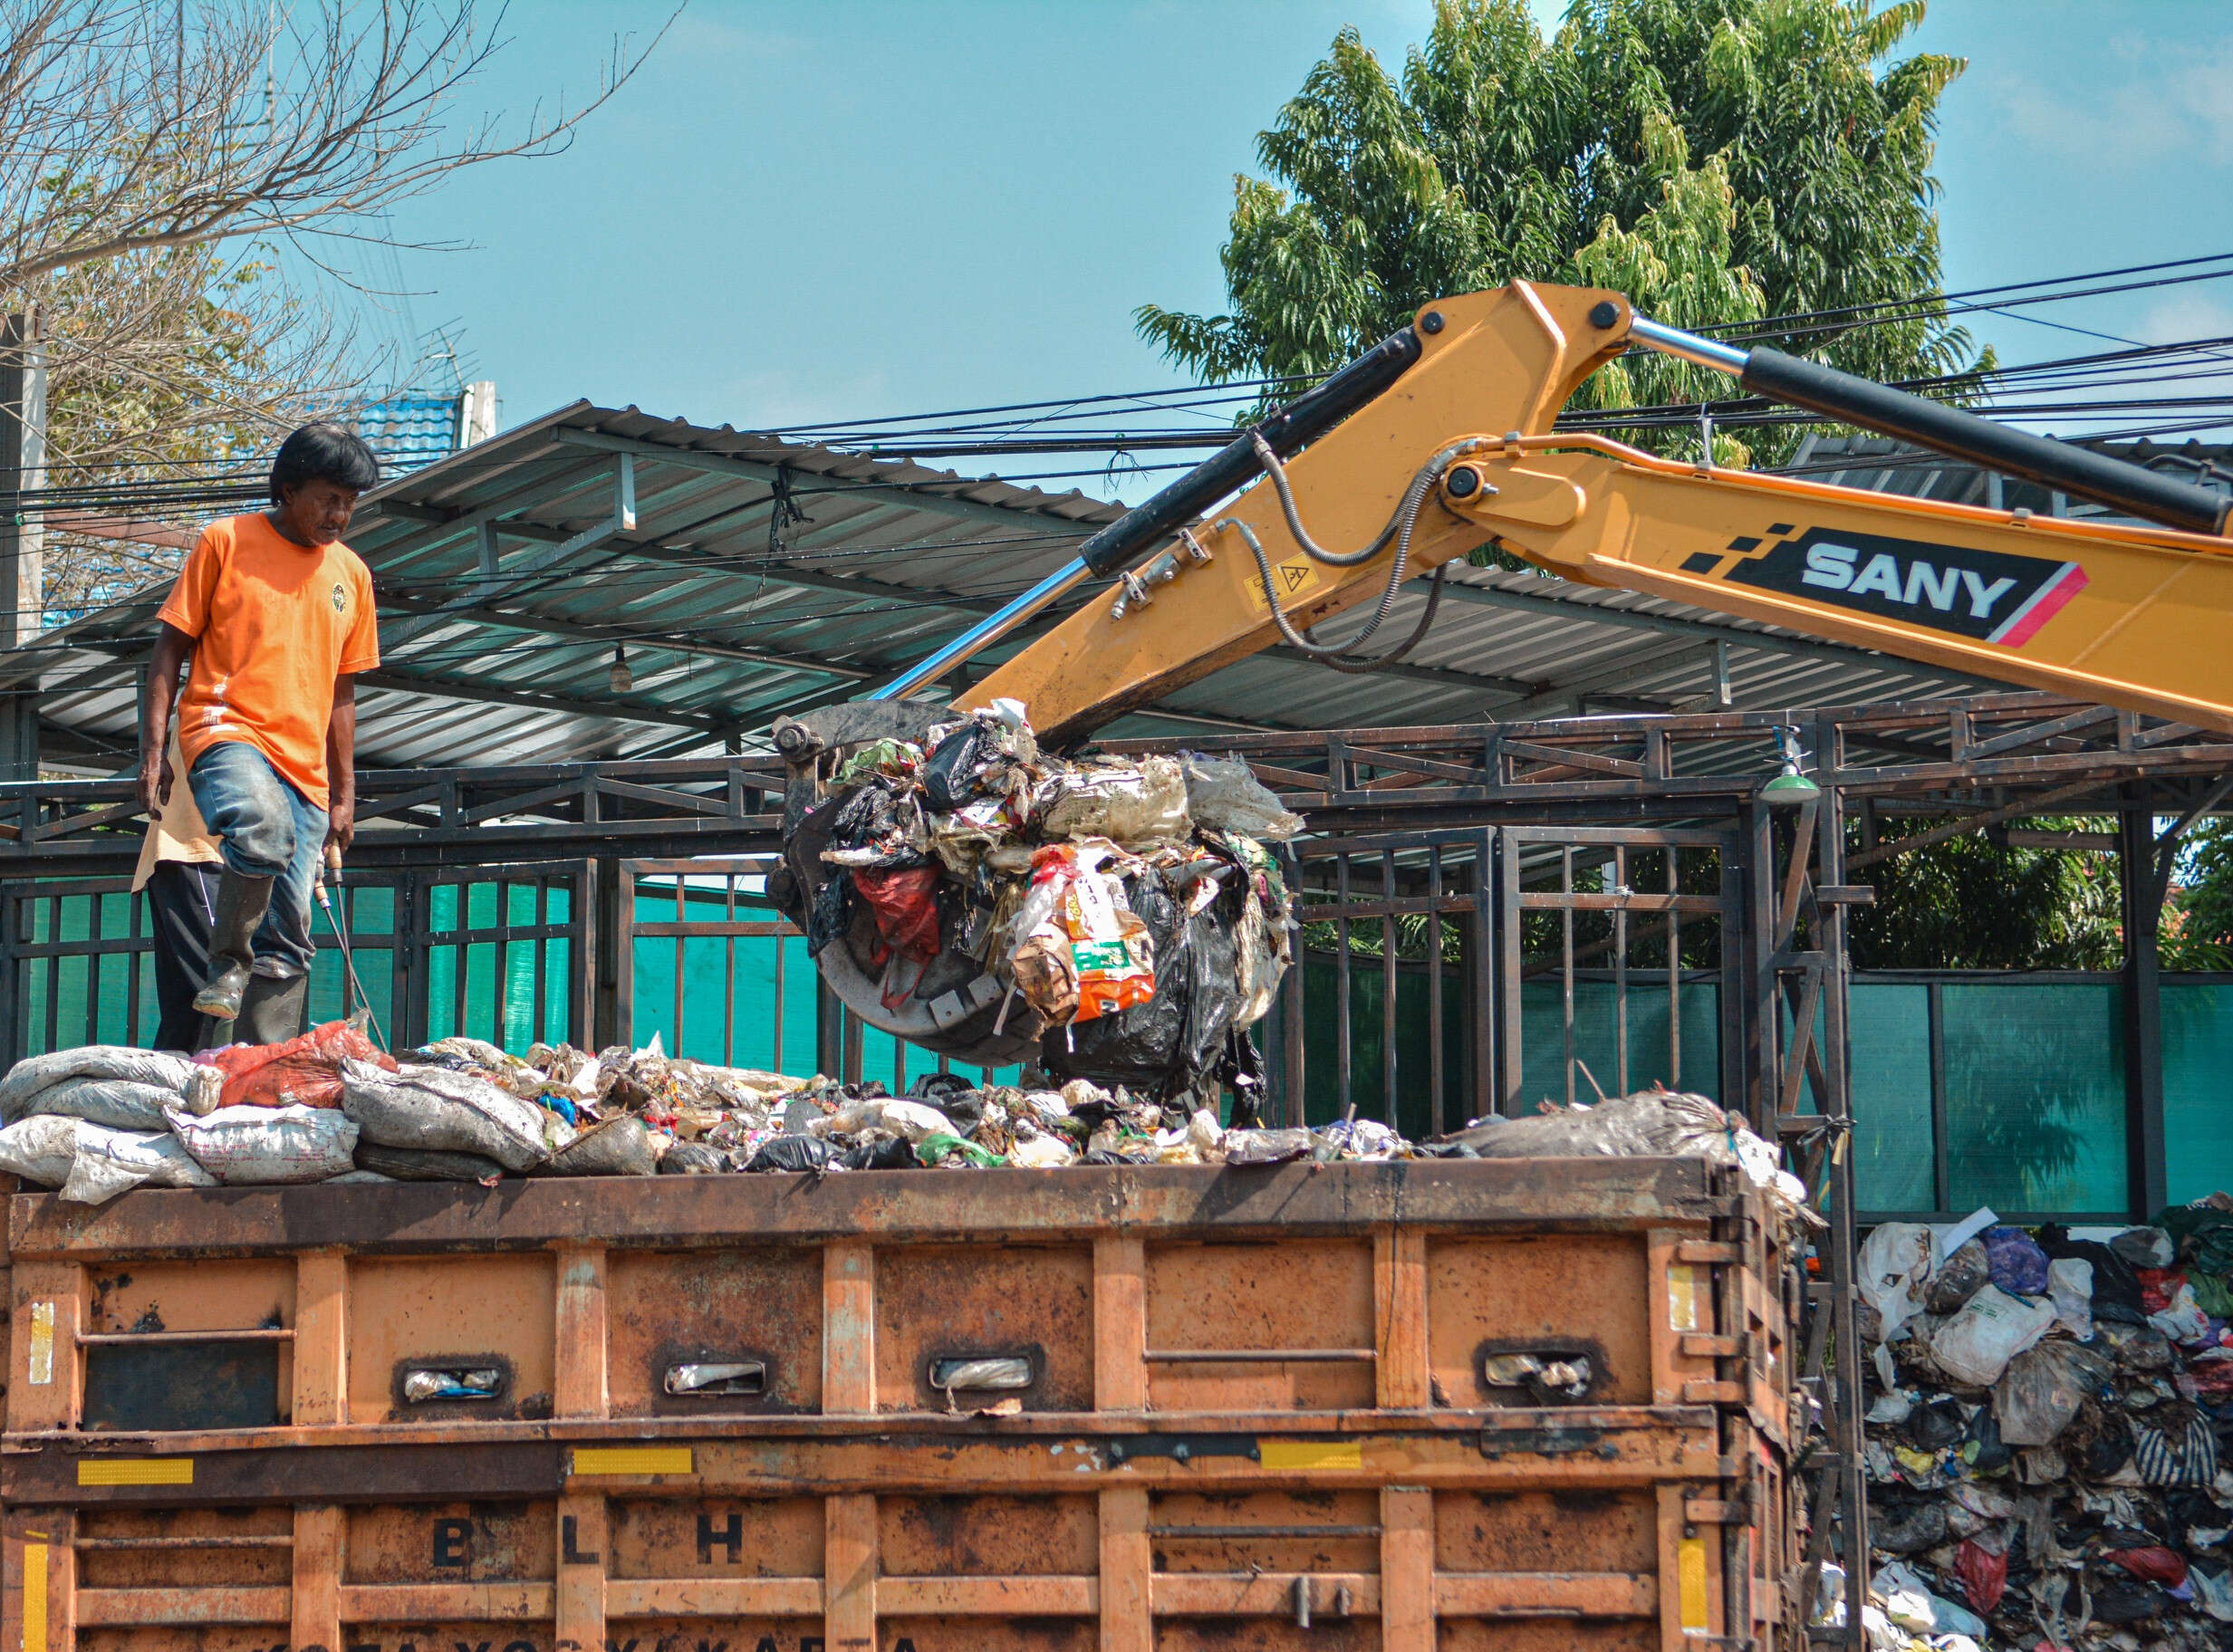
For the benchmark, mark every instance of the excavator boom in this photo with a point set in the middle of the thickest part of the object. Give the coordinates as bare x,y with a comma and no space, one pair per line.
1443,439
2132,617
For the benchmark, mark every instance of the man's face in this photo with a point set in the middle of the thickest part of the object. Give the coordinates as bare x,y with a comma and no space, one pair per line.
316,513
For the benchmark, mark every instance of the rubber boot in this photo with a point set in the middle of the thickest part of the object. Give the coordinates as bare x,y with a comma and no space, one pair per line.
242,901
272,1010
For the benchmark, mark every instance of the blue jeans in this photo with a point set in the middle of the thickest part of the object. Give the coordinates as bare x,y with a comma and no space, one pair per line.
268,829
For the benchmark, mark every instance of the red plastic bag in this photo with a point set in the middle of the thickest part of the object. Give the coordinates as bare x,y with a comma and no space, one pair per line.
2152,1564
305,1069
905,902
1984,1575
2158,1286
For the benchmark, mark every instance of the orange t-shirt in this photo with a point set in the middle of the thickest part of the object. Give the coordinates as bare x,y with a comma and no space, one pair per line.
274,624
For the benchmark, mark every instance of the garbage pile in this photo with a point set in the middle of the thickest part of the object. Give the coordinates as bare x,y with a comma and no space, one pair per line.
2047,1433
1119,917
328,1107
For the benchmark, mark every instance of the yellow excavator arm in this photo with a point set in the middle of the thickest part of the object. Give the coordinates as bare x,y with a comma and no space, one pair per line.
1441,439
2133,616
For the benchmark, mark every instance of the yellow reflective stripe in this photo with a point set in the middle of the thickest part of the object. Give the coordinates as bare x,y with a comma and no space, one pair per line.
1311,1453
34,1595
632,1460
1690,1576
135,1471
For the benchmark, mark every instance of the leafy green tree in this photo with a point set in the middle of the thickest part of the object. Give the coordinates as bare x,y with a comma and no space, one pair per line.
1718,160
1972,903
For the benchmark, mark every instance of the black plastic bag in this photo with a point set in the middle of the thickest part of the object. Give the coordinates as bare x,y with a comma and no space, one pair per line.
1165,1047
1992,1453
832,914
1907,1527
1935,1424
883,1153
2116,1289
793,1153
954,774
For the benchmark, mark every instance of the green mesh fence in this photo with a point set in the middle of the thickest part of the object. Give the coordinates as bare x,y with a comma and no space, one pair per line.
1888,1029
2198,1121
749,1002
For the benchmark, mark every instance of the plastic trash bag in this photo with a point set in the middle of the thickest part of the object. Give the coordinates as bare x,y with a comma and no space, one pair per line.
456,1112
34,1073
882,1153
1893,1272
425,1165
2203,1232
119,1103
1907,1528
2038,1396
1975,1346
1267,1146
1967,1272
2019,1266
1091,941
2183,1321
617,1146
1135,807
304,1070
261,1145
689,1158
2183,1454
904,902
1041,1152
793,1153
1984,1574
2070,1287
1167,1039
2145,1247
1223,795
1910,1603
986,756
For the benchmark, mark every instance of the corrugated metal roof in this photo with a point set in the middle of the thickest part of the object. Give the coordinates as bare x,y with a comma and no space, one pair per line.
760,577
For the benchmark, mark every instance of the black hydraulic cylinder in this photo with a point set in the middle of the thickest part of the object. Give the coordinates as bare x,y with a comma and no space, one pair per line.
1302,421
2072,469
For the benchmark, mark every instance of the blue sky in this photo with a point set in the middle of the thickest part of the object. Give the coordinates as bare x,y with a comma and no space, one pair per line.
800,212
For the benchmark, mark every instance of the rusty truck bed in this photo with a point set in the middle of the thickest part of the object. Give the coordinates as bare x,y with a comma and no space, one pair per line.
1252,1408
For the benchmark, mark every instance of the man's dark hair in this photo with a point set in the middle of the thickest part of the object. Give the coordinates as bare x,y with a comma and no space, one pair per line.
323,452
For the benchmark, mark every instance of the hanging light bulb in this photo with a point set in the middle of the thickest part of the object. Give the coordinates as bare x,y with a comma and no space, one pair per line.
1790,788
619,679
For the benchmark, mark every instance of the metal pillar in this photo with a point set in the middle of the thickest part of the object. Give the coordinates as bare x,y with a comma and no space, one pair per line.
2143,867
22,532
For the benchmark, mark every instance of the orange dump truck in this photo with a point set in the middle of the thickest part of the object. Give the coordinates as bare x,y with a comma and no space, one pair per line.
1415,1405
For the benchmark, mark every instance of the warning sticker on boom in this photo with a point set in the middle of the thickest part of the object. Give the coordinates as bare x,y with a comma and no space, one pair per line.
1292,578
1990,596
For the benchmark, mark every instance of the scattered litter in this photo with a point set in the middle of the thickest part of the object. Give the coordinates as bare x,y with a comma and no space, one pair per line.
2045,1416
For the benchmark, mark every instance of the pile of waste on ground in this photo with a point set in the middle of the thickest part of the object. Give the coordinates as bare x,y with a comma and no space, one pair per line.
2048,1422
328,1107
1115,918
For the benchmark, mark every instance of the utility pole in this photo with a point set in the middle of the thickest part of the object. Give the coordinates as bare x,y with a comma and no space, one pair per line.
23,531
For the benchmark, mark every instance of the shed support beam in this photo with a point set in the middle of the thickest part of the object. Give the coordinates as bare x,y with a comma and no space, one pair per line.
679,642
752,470
618,711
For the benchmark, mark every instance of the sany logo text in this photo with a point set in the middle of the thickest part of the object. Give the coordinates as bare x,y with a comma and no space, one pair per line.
1833,566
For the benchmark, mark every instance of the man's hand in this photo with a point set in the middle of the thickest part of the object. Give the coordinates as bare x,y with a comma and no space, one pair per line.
156,778
341,830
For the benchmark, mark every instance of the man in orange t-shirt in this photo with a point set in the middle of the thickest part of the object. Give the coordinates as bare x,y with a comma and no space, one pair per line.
278,614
